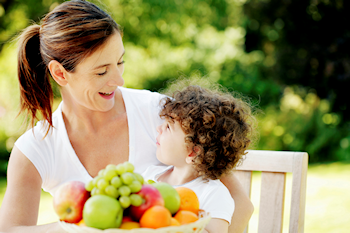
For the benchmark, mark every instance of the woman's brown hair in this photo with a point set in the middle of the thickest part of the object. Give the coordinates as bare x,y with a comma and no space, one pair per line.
67,34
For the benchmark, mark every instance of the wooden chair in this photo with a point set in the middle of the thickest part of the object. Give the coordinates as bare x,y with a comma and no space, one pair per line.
274,165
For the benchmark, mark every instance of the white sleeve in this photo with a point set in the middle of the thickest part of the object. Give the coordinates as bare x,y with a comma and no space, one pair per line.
219,203
38,150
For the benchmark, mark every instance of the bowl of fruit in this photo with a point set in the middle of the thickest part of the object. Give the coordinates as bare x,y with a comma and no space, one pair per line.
119,200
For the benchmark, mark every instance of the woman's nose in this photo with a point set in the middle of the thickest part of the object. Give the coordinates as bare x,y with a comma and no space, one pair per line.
117,77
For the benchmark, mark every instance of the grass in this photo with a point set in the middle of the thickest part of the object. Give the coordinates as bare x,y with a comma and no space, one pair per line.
327,201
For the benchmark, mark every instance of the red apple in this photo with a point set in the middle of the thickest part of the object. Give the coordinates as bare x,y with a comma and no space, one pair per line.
152,197
69,200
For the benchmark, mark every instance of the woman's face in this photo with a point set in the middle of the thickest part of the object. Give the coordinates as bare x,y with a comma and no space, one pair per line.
95,80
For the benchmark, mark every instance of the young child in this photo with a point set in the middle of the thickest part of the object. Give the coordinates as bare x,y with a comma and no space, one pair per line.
204,136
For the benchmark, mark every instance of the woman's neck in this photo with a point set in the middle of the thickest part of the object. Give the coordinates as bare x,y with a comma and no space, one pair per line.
179,175
78,117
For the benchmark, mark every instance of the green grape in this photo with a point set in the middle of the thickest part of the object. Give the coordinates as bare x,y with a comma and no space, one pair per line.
116,182
100,173
102,184
135,186
129,167
124,190
96,179
139,177
99,192
110,167
109,174
110,190
150,182
93,191
89,186
124,201
120,169
136,200
127,178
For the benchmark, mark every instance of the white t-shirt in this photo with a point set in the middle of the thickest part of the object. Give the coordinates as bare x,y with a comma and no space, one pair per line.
56,160
213,195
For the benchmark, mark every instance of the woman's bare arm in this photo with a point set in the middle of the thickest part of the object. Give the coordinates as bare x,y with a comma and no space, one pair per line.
20,206
243,206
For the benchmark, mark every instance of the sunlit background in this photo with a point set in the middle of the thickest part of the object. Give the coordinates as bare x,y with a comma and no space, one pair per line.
291,58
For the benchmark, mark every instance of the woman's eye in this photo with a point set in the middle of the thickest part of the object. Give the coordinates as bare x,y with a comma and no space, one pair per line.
122,62
103,73
100,74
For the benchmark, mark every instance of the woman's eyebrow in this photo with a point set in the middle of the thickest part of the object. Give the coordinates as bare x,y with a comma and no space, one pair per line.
122,54
100,66
103,65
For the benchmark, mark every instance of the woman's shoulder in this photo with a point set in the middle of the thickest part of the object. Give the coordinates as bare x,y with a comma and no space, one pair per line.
141,95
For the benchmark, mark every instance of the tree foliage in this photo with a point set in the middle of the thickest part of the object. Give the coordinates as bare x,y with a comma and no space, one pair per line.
308,47
310,44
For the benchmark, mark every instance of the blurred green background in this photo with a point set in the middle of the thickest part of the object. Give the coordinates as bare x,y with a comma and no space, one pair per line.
290,57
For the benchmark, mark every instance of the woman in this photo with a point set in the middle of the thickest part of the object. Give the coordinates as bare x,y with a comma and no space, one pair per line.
97,123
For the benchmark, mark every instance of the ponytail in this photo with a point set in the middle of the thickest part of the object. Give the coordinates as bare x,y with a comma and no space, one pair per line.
35,89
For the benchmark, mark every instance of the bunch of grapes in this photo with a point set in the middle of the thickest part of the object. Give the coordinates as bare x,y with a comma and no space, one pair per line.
120,182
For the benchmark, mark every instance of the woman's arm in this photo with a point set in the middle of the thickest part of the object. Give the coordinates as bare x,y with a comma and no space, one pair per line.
216,226
20,206
243,206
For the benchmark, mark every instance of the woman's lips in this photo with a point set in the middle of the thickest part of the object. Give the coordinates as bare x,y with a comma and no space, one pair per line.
107,96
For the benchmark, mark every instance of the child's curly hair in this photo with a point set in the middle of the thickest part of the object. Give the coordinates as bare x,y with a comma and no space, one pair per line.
216,122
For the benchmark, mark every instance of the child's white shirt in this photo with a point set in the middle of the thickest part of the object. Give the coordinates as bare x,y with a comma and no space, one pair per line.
213,195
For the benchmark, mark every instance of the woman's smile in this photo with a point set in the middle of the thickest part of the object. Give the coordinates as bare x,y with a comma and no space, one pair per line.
107,95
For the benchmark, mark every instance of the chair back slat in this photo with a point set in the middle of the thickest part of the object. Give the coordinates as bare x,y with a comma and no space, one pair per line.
297,212
271,202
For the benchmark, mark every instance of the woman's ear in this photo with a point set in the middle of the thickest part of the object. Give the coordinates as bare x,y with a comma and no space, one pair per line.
58,72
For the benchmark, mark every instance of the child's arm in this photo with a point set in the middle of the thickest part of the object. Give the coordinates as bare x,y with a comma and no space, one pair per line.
243,206
216,225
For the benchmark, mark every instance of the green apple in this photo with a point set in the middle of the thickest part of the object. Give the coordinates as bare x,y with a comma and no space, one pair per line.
170,195
102,212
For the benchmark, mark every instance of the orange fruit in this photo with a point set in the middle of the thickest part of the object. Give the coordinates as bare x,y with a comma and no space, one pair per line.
185,217
174,222
156,217
81,223
189,199
129,225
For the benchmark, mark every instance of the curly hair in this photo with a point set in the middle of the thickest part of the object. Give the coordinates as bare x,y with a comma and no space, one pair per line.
214,121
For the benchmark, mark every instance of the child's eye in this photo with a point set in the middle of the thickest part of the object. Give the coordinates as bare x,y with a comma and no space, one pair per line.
167,126
122,62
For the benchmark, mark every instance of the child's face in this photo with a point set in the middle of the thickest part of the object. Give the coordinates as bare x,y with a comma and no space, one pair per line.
171,147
